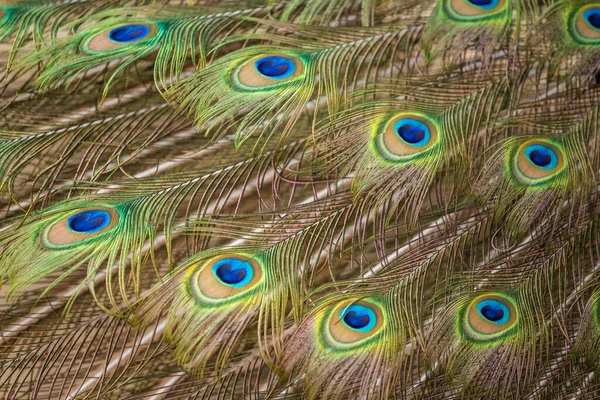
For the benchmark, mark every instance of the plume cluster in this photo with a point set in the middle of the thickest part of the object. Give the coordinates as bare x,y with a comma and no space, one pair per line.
303,199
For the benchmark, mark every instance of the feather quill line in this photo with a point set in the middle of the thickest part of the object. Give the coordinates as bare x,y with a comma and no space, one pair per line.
150,337
132,95
146,173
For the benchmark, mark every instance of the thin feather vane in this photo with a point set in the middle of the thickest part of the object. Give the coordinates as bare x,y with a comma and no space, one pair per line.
301,199
126,36
113,226
393,149
213,301
350,347
275,78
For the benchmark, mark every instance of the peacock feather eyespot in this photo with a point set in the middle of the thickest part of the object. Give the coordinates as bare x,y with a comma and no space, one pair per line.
267,71
585,24
79,227
225,279
406,136
474,10
538,161
351,324
120,37
489,317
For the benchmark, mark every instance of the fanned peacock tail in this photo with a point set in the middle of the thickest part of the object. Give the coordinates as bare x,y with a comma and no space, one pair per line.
347,199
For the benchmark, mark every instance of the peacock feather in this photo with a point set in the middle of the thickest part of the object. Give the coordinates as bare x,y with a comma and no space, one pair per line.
304,199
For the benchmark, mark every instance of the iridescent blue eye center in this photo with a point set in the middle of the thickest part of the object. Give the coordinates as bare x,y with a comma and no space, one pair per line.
493,314
412,131
275,67
89,221
356,320
129,33
541,156
233,272
484,3
359,317
494,311
229,275
592,16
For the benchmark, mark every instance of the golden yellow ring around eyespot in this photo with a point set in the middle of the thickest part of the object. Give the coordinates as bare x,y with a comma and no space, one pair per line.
395,145
528,169
59,233
482,325
101,42
463,8
342,333
583,27
211,287
248,76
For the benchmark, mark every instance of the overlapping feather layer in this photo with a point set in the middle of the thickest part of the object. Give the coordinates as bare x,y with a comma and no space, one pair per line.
348,199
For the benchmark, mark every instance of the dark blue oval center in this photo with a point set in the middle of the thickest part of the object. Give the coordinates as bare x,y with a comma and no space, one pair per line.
412,131
494,311
356,320
491,313
481,3
275,67
129,33
89,221
540,158
411,134
233,271
593,17
228,273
